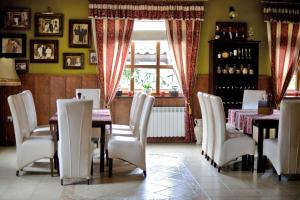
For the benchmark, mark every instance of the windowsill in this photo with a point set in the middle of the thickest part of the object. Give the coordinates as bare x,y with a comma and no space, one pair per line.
155,95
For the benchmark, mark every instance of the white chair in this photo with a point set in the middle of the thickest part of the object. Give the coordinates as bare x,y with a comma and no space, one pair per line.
251,98
132,130
35,129
75,148
283,152
204,122
210,127
133,115
132,149
29,148
92,94
228,145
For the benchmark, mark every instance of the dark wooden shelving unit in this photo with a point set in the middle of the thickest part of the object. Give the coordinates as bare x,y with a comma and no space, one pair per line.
233,68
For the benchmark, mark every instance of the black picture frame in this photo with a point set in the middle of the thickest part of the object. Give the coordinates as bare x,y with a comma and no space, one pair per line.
22,65
80,33
17,18
44,51
48,24
12,45
73,60
93,59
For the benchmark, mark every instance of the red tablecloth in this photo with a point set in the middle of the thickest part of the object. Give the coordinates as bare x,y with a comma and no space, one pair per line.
242,119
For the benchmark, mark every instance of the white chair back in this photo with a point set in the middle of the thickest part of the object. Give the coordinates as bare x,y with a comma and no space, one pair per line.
144,120
133,109
74,145
204,121
289,137
137,114
220,126
90,94
210,126
251,98
19,116
30,108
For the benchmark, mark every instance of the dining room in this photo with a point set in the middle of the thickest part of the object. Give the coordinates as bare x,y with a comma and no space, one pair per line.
129,99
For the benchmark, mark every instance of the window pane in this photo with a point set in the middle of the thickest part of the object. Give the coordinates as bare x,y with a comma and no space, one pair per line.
128,57
293,83
165,55
125,80
144,76
168,79
145,53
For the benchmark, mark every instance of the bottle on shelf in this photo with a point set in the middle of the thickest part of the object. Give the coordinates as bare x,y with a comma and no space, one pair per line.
219,55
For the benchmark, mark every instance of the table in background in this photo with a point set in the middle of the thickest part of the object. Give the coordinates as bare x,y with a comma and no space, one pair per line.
245,119
100,118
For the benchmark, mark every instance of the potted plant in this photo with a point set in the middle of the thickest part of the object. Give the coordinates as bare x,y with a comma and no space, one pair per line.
147,87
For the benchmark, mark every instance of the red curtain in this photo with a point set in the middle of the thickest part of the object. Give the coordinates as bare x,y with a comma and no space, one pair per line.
183,39
113,39
284,41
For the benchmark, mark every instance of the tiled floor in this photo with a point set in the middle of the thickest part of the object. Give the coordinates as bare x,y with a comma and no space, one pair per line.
174,172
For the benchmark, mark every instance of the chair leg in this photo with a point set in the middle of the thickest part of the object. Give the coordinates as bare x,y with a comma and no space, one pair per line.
279,178
110,163
17,173
144,172
106,153
61,182
51,166
202,152
92,169
219,169
212,162
88,181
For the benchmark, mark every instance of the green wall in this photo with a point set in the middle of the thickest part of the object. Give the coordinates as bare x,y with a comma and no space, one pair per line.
249,11
72,9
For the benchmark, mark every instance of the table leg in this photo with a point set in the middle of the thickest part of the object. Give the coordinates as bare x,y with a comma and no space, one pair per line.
260,149
102,150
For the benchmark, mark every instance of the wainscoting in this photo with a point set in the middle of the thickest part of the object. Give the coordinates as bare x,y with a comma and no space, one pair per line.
47,88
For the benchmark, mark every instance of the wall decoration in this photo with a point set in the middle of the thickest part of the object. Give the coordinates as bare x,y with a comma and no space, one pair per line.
80,35
73,60
48,24
12,45
93,60
44,51
17,18
21,66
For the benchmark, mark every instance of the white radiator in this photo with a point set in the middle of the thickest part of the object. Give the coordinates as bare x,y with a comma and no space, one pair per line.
166,122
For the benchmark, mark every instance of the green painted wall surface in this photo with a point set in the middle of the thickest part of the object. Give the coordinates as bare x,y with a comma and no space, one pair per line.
249,11
72,9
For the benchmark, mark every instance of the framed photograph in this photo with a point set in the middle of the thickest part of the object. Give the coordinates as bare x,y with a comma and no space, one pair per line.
44,51
17,18
21,66
80,35
93,60
13,45
48,24
73,60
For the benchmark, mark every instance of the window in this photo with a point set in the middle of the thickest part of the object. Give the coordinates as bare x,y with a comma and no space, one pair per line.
148,62
293,88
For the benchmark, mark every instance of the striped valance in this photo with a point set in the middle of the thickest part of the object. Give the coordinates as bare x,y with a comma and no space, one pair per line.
155,9
288,12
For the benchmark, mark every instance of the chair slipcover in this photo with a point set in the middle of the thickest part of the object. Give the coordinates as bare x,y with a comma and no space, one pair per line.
134,130
74,145
204,121
284,152
92,94
132,149
29,148
210,126
251,98
133,115
35,129
228,145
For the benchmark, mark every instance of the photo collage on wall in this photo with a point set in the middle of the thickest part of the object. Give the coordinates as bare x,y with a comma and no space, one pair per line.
48,24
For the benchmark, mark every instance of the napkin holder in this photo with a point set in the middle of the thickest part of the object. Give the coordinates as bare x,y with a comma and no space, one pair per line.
264,108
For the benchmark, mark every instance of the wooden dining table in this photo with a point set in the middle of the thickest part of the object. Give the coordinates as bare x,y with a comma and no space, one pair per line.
100,119
245,119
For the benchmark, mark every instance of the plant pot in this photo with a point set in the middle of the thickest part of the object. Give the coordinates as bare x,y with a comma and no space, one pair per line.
148,90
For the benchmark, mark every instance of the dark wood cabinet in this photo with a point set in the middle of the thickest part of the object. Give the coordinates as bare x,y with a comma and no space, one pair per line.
233,68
